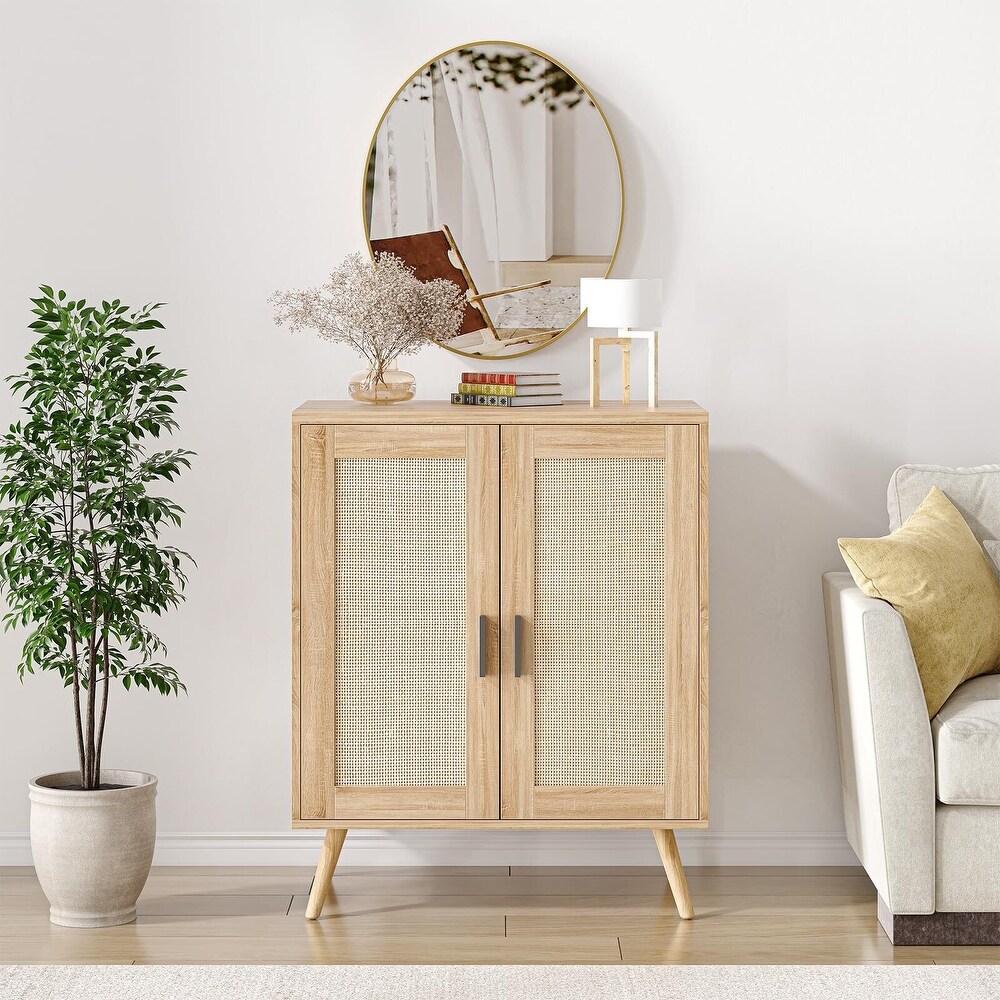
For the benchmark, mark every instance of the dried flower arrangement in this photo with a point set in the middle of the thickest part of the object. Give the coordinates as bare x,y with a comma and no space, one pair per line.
380,308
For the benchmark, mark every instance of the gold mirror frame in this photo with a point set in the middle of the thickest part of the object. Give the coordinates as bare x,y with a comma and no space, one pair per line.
614,146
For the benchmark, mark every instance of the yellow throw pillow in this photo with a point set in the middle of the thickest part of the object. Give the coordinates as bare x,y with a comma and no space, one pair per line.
935,574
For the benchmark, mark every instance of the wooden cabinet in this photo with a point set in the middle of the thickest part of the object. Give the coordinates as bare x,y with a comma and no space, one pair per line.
499,618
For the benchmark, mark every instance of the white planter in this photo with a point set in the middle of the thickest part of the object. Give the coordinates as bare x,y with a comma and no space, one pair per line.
92,850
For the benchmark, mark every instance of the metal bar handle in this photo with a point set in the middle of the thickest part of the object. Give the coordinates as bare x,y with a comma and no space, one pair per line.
518,630
482,645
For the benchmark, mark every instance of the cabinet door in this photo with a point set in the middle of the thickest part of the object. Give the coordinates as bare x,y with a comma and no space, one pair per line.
600,622
397,571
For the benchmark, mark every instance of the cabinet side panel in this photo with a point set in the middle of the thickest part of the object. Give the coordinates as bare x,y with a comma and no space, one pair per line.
296,806
682,696
317,697
704,605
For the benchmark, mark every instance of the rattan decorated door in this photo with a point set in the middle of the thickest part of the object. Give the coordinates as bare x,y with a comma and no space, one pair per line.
396,625
600,622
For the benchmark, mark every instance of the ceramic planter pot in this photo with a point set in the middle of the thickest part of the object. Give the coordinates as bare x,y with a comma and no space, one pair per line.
92,850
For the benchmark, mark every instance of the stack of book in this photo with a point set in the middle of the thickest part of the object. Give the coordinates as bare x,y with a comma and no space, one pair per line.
508,389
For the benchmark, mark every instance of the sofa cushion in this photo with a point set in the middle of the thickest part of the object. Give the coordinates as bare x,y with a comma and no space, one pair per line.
936,575
975,492
967,863
967,744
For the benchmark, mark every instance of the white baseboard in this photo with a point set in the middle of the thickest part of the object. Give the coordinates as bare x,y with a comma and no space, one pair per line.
483,847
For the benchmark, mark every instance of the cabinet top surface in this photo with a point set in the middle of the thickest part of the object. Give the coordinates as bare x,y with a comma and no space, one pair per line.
347,411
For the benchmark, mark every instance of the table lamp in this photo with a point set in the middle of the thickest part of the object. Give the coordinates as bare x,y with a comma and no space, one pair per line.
634,306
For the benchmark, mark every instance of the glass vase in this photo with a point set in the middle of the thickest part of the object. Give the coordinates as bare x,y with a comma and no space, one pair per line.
382,385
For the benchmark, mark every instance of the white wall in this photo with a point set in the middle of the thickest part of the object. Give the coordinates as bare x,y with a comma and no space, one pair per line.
816,183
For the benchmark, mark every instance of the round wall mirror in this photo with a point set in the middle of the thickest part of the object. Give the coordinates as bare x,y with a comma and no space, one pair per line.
494,167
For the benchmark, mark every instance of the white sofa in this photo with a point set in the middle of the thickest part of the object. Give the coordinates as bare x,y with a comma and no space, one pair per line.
921,796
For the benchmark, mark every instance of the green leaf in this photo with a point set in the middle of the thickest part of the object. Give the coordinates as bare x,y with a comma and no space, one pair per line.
82,564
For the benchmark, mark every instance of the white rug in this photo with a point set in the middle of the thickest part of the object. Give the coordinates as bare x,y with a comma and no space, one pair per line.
499,982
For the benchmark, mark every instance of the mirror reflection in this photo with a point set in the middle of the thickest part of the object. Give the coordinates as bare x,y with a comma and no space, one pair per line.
494,167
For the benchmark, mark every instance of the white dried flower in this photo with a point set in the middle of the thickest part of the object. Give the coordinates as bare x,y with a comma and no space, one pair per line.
380,308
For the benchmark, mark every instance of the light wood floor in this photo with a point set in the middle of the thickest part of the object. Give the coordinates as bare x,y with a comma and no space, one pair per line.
475,915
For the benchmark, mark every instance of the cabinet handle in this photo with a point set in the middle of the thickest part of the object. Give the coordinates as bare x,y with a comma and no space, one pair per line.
518,629
482,645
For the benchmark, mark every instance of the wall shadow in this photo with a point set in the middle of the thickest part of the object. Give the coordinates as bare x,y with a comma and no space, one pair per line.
773,744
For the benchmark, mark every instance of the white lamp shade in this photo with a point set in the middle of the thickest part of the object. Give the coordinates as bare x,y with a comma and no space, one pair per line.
622,302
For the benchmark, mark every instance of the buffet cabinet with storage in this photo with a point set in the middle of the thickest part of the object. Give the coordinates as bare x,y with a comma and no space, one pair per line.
499,620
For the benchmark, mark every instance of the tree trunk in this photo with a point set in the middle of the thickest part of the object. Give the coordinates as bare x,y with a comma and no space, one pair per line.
89,781
80,752
104,707
74,652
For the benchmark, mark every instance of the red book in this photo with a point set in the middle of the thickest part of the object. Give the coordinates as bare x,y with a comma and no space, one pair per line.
510,378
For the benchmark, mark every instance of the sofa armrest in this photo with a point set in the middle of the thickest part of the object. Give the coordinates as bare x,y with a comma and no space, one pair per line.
886,753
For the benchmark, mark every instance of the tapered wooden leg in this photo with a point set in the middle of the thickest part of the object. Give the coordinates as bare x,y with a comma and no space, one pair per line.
666,843
333,842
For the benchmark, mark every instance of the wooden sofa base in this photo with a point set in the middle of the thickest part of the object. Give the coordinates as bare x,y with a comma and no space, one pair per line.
939,928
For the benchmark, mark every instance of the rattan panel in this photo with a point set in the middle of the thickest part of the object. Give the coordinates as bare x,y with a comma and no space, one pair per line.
400,621
599,621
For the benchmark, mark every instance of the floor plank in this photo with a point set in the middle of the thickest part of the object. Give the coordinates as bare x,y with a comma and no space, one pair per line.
154,904
218,882
475,915
319,947
723,939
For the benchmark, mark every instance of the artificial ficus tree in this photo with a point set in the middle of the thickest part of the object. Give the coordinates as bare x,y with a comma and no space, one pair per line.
82,566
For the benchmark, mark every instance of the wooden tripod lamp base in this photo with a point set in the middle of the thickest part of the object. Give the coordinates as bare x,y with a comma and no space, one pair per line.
624,341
